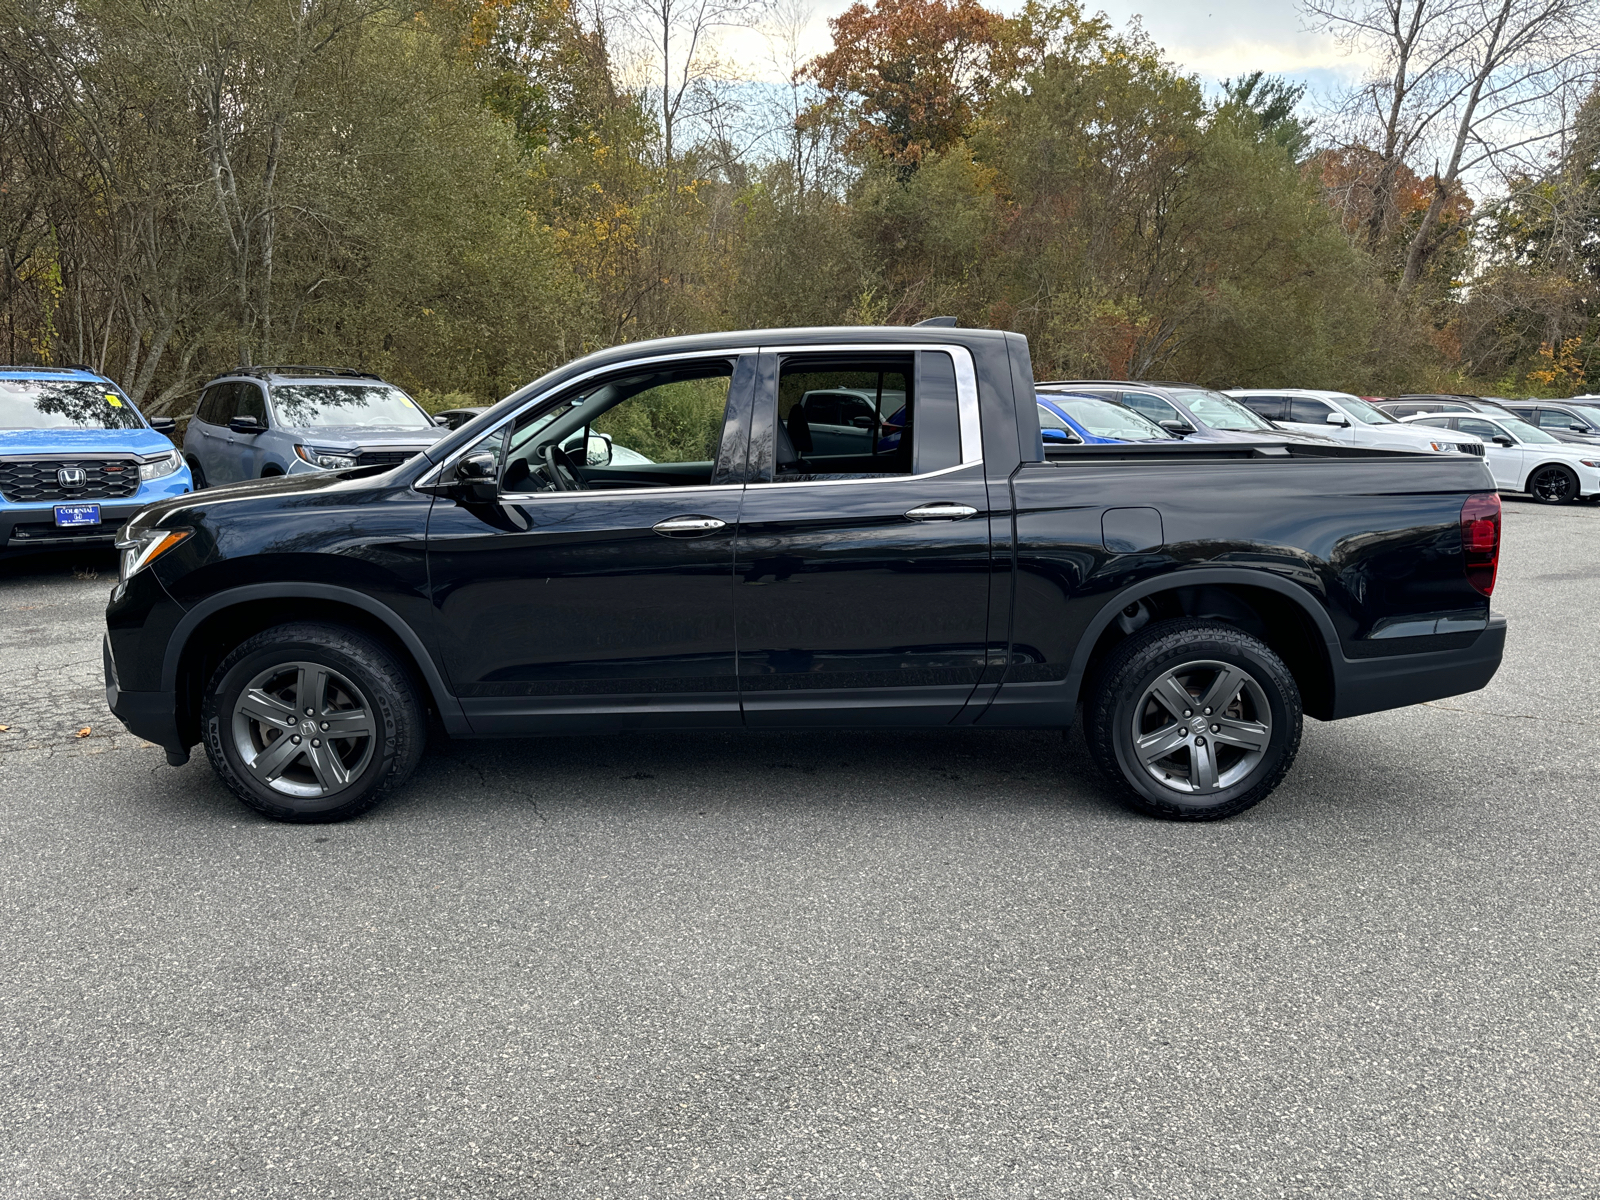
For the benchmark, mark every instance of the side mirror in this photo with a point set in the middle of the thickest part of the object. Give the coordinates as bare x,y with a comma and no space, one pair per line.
1574,428
1180,428
476,473
244,425
164,425
861,422
1501,439
445,421
1339,419
598,453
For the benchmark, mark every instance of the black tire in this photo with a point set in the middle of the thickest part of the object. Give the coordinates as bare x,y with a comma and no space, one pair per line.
1553,484
1183,652
197,473
362,684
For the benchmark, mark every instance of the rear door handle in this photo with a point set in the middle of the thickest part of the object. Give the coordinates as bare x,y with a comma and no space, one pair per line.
941,512
688,527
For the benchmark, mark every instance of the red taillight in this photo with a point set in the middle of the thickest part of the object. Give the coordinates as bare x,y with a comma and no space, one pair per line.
1480,538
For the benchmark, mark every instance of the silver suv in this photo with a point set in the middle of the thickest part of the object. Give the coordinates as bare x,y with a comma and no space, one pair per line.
263,421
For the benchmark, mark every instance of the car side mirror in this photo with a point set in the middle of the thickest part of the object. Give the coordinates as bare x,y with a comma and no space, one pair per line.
244,425
445,421
1501,439
861,422
1181,428
476,473
1574,428
1338,419
598,453
164,425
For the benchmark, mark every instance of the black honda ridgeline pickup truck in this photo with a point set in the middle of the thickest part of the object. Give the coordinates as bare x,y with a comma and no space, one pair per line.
802,529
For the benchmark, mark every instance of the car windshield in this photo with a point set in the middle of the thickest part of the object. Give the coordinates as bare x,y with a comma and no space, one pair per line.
1588,413
1221,412
1366,413
64,404
326,405
1524,432
1105,419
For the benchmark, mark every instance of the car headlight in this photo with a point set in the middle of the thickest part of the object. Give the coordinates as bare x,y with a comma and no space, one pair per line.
160,466
1590,462
328,460
139,552
1448,447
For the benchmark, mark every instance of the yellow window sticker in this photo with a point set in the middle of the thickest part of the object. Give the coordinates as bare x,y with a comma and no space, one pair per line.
114,401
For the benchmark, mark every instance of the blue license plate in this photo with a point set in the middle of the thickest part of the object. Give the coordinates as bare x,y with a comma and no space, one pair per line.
70,516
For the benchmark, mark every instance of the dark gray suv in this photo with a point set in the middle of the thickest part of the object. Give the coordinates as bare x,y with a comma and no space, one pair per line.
262,421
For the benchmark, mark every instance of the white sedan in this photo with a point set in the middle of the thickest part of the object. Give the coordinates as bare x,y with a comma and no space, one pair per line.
1348,419
1524,458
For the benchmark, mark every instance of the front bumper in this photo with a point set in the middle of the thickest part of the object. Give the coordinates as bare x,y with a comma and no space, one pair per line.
150,715
31,528
1366,685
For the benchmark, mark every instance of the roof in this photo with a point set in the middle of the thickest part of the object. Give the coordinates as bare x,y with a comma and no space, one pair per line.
293,371
1164,383
75,371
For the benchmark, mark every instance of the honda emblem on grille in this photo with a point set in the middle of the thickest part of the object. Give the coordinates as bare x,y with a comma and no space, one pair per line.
72,477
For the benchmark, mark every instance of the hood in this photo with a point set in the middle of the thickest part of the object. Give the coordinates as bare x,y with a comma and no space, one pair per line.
1259,435
1428,433
367,437
141,442
277,490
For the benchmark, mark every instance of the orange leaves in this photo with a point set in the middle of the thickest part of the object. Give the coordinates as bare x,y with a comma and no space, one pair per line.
915,68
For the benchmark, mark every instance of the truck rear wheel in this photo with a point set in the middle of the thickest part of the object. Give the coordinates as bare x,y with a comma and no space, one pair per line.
1194,720
312,723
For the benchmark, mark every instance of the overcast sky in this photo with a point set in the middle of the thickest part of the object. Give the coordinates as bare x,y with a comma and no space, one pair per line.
1214,39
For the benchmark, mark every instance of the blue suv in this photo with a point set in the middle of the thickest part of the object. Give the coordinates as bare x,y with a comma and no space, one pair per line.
77,459
262,421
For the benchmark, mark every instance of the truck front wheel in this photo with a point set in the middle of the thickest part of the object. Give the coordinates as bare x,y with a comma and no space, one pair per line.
309,723
1194,720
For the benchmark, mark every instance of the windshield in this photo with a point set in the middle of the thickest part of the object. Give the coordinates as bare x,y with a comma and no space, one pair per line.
1588,413
326,405
1105,419
1222,412
1524,432
1364,412
67,404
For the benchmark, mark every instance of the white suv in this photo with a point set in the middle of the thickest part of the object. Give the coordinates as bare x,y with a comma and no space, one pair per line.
1523,457
1351,420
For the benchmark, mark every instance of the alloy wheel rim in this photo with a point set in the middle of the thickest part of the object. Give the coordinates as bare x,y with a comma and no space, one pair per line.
304,730
1551,484
1202,727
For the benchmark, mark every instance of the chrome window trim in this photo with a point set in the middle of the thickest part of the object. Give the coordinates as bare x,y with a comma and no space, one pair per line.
433,477
971,431
698,489
859,480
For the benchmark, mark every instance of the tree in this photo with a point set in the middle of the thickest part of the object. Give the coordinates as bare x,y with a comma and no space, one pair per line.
907,76
1266,104
1481,85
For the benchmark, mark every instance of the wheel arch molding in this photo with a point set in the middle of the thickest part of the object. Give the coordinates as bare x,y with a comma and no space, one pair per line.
334,604
1315,666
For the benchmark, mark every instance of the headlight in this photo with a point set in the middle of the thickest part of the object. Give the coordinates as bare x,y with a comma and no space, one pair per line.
328,460
139,552
1590,462
156,468
1447,447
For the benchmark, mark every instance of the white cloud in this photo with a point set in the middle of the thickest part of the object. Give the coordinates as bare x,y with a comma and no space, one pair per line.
1214,40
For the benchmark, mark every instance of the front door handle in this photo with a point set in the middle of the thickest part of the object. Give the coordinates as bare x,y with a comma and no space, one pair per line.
688,527
941,512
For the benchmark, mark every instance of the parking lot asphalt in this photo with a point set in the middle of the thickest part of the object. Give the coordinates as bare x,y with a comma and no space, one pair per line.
812,965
